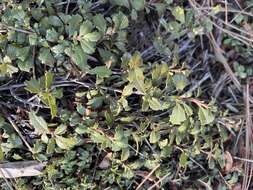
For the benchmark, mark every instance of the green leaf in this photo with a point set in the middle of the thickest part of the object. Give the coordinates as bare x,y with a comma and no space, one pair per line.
93,36
22,53
138,4
187,109
183,160
38,123
46,57
33,39
169,2
80,109
101,71
44,138
52,35
154,137
145,104
60,130
135,61
58,49
134,15
166,151
65,143
33,86
96,102
125,154
182,128
87,46
78,57
128,173
37,14
155,104
52,105
136,78
55,21
57,93
1,153
48,79
178,13
100,22
109,118
85,28
128,90
124,3
178,115
50,146
87,36
74,24
25,65
50,100
160,8
120,20
205,116
108,57
180,81
7,69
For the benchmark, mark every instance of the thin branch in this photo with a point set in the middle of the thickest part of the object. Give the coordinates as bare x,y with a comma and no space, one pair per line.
194,87
25,101
247,166
4,26
220,57
18,131
160,180
64,83
147,177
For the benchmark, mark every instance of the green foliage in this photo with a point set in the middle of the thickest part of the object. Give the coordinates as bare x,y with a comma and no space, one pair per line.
178,115
178,13
105,95
38,123
42,88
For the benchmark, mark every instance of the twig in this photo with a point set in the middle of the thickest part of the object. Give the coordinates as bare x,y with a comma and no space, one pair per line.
238,4
67,7
34,63
231,26
226,11
243,12
198,164
243,159
230,10
223,60
247,166
16,29
17,130
62,83
25,101
239,37
229,186
149,145
148,176
6,181
159,181
206,76
198,103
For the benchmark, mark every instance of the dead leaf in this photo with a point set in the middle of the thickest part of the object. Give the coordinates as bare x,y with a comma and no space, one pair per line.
228,162
20,169
106,162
